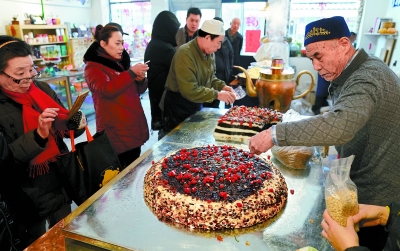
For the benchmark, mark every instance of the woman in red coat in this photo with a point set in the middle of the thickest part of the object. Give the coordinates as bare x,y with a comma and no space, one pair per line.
116,89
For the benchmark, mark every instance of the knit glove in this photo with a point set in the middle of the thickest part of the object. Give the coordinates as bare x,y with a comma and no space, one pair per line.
77,121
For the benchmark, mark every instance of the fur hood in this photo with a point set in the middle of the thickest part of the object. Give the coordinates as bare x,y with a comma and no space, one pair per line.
92,55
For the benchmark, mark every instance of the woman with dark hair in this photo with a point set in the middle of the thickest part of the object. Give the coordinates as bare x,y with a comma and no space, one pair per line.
33,123
116,89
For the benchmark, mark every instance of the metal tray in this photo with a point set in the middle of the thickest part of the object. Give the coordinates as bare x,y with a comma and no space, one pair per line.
117,218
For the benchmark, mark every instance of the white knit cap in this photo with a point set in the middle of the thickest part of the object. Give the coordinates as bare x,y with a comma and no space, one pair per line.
214,27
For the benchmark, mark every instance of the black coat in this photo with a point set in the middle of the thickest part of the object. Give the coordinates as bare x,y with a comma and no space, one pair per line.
30,198
224,61
237,44
160,52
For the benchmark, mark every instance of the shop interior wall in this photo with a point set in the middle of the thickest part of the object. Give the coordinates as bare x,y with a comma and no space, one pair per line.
74,15
100,12
157,6
372,10
378,9
394,12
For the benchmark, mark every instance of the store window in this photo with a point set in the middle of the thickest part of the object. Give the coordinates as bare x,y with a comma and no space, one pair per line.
251,14
135,19
303,12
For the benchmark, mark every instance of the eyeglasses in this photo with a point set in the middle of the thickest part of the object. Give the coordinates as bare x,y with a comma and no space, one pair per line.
17,81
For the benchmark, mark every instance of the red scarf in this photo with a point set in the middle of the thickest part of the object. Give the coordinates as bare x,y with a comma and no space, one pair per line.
34,102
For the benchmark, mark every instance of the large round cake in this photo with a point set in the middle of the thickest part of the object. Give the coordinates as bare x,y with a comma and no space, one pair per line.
214,187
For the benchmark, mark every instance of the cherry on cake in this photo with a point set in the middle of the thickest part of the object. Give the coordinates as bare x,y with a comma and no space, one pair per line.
214,187
241,122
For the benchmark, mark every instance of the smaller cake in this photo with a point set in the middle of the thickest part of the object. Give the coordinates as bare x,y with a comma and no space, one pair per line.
241,122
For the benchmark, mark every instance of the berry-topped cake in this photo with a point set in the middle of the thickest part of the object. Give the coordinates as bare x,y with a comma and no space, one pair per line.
214,187
241,123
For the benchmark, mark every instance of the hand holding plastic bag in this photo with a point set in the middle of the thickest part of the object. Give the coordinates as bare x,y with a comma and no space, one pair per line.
340,191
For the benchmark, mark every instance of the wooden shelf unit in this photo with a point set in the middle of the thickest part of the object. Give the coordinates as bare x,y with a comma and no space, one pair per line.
19,31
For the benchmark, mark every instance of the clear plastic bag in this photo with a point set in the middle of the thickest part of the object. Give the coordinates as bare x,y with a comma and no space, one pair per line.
340,191
295,157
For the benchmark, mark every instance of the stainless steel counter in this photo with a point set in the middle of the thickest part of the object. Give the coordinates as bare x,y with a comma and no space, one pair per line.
117,218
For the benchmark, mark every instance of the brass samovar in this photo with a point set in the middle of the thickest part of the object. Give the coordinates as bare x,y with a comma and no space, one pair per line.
275,87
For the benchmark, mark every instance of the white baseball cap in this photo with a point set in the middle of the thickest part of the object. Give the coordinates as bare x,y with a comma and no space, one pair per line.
214,27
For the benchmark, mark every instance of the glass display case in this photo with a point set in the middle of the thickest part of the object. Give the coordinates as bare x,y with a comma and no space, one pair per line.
67,85
78,85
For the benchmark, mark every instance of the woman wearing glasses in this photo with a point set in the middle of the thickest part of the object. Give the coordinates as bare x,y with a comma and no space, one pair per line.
32,127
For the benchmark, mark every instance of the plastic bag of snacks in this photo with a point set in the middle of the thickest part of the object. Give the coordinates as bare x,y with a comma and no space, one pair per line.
295,157
340,191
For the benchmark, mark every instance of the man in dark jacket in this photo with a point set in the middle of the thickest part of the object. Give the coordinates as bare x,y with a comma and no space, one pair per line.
189,32
236,40
159,52
224,65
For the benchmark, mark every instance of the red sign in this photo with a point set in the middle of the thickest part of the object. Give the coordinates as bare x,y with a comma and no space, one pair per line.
252,40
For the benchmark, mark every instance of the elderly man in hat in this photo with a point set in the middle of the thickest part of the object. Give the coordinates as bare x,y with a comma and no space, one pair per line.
364,119
191,79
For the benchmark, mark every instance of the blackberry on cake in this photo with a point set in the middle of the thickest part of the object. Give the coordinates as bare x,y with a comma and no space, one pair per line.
240,123
214,187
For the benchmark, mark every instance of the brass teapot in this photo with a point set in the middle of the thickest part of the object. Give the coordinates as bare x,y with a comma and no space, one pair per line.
275,87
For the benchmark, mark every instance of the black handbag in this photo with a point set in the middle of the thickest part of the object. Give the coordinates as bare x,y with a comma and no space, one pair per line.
7,238
88,167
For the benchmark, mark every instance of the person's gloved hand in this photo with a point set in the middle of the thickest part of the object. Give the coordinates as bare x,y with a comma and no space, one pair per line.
77,121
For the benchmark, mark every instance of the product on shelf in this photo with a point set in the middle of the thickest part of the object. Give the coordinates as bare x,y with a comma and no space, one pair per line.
50,52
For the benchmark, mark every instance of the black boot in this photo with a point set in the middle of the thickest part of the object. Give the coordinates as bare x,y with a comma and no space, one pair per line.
156,125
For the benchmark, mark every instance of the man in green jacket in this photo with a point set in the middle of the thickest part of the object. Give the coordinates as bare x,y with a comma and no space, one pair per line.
191,79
